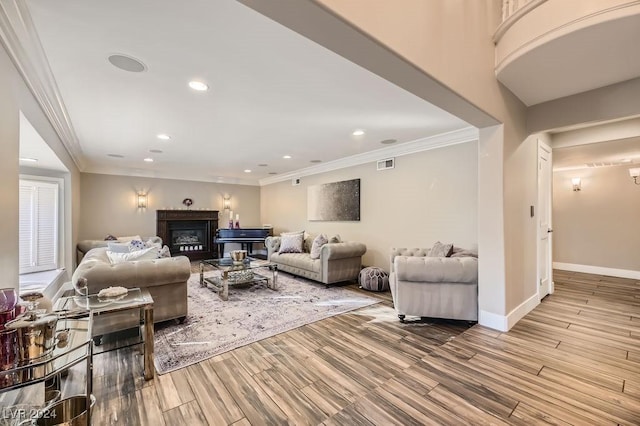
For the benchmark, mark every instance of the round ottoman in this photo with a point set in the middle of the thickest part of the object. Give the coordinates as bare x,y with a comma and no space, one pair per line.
373,279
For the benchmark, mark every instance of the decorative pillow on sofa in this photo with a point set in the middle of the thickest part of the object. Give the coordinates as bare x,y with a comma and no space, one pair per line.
150,253
110,238
316,247
164,252
291,242
461,252
118,247
335,239
135,245
441,250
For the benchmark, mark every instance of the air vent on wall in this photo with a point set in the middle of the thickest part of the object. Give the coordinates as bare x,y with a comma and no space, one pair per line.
388,163
295,181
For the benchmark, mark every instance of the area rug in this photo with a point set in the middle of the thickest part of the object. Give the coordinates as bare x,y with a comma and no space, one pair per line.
252,313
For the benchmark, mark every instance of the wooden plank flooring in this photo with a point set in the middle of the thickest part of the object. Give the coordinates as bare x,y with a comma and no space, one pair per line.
574,360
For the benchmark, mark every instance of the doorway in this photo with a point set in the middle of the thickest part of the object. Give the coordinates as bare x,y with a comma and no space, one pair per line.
544,238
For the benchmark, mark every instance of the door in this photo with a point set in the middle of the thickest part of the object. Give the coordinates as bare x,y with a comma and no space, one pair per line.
545,271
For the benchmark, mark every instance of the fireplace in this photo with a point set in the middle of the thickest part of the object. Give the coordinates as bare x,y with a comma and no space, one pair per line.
188,232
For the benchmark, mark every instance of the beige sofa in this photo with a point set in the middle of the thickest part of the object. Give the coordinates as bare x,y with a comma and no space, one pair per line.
434,287
338,262
165,278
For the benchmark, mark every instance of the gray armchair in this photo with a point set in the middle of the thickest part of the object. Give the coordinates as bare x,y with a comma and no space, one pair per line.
435,287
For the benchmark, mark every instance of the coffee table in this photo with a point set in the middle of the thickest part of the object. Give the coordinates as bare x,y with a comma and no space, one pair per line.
231,268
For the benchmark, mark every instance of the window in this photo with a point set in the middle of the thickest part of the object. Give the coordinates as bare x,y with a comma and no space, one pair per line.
38,225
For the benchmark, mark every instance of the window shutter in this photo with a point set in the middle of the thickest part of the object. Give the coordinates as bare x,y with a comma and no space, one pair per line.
27,243
38,226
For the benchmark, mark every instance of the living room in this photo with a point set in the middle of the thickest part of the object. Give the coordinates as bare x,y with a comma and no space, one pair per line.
472,191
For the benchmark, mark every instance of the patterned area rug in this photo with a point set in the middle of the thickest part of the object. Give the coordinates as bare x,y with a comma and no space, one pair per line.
252,313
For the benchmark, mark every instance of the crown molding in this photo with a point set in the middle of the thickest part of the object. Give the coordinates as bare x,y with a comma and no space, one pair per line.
20,39
468,134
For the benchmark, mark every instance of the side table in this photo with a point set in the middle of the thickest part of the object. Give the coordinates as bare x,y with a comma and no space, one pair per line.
135,298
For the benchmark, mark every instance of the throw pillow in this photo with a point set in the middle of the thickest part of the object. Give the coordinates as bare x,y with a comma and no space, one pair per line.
335,239
110,238
316,247
164,252
150,253
291,243
150,243
118,247
129,238
441,250
135,245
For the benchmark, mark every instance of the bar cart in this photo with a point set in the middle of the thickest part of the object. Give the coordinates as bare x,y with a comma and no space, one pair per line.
73,345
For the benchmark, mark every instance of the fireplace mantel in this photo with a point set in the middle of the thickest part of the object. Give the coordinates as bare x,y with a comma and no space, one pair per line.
204,224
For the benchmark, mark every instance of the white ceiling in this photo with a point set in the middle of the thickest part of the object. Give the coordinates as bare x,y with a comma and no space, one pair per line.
272,92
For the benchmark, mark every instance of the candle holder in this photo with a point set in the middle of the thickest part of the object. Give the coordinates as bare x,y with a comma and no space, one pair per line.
230,223
237,223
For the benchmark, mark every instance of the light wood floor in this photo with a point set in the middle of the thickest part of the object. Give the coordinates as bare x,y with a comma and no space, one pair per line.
574,360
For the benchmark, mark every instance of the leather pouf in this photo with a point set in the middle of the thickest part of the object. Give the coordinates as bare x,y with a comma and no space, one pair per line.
373,279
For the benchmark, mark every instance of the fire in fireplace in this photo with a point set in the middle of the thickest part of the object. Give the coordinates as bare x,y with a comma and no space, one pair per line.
189,232
186,236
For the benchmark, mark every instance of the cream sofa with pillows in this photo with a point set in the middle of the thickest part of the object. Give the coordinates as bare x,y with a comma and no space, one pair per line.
317,257
165,277
441,282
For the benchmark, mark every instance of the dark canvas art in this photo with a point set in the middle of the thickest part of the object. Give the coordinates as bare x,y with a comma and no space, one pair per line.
336,201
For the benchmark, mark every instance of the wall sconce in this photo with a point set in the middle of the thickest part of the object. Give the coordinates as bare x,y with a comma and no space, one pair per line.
577,184
635,173
226,202
142,200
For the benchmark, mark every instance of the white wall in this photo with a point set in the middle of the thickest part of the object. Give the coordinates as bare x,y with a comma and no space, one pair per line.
428,196
9,149
17,97
109,203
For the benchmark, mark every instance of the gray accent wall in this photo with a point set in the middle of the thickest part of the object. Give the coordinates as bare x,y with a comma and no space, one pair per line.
428,196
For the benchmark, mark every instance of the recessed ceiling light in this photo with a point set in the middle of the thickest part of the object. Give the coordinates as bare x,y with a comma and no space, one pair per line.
263,165
316,161
164,137
388,141
198,85
115,155
127,63
286,156
358,132
29,160
247,171
149,160
156,151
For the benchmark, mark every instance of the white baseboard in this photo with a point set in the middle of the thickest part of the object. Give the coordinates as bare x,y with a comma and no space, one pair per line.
491,320
521,310
599,270
504,323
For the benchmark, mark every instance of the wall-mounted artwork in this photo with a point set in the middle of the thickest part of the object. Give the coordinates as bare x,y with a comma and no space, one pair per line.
336,201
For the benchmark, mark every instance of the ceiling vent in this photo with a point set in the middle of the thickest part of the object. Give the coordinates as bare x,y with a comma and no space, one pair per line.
295,181
388,163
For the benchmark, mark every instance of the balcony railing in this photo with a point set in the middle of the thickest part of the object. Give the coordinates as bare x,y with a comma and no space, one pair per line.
512,10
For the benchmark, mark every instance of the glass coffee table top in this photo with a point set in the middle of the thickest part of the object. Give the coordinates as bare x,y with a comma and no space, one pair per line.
236,274
227,264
